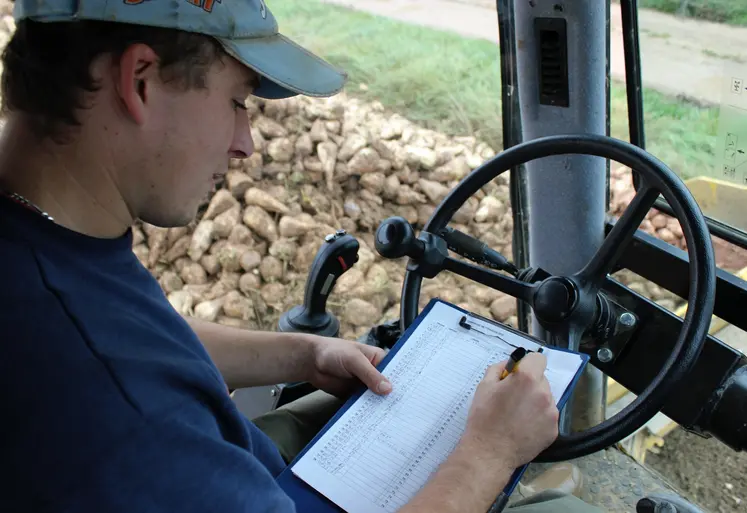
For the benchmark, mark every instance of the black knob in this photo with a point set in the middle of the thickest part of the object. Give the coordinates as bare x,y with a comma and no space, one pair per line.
395,238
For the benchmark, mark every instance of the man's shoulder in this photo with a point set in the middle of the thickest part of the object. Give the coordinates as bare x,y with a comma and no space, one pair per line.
46,362
109,390
71,325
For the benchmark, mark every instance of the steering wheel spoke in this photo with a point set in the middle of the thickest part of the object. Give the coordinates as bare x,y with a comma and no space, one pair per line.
494,280
604,260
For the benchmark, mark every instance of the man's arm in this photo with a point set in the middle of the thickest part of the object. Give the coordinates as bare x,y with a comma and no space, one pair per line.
468,481
256,358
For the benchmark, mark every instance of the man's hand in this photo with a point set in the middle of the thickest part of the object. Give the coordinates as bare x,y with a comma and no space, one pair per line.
339,365
515,419
510,422
259,358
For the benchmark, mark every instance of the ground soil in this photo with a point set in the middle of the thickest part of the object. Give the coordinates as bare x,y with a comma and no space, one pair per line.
705,470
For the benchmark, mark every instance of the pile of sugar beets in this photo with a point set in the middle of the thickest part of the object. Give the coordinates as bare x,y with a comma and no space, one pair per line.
326,164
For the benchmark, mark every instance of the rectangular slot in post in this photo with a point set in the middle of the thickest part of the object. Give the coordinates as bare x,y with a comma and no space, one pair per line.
552,61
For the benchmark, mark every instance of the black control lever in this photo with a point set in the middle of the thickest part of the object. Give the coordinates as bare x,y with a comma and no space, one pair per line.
395,238
476,250
338,254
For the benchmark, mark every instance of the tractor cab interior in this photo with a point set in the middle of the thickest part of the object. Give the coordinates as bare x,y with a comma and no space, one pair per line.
555,72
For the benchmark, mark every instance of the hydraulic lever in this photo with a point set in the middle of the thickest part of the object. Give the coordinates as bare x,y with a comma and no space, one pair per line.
395,238
337,255
476,250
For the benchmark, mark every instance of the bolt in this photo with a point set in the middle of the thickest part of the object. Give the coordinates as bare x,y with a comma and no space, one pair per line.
273,392
627,319
605,355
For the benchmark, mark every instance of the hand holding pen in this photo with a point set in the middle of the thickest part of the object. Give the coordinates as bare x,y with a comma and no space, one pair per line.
513,361
515,418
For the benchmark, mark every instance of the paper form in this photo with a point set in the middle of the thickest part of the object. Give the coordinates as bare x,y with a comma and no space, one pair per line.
382,450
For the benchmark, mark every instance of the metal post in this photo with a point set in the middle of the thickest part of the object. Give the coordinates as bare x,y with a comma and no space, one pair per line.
566,196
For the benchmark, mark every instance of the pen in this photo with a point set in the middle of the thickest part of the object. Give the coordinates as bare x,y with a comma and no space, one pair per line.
513,361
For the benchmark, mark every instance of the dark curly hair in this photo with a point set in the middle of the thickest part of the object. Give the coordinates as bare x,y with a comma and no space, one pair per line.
47,65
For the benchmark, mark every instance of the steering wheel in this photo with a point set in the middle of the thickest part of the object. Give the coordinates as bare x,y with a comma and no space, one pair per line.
565,305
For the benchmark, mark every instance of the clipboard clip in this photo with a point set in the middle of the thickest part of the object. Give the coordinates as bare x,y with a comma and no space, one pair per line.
472,327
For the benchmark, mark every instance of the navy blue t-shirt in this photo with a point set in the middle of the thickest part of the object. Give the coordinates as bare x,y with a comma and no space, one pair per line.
108,400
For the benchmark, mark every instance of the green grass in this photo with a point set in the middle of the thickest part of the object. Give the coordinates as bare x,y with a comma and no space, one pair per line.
733,12
680,134
436,78
452,84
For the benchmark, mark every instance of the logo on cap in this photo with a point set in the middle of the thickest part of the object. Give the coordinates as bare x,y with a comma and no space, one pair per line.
262,9
206,5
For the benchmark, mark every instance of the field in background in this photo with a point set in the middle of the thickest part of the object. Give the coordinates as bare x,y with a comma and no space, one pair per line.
733,12
452,84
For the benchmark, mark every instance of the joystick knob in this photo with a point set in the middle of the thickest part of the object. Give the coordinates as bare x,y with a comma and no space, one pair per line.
338,253
395,238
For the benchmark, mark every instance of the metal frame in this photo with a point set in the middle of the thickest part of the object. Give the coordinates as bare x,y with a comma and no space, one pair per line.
667,266
512,136
565,225
699,405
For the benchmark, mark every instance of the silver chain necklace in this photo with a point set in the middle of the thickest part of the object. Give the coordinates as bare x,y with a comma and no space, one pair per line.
20,199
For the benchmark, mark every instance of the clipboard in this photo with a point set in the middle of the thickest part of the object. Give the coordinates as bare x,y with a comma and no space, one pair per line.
309,500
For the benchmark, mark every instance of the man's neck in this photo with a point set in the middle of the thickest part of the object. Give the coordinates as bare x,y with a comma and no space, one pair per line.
71,182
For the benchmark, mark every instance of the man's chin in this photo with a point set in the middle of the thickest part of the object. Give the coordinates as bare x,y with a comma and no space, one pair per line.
177,215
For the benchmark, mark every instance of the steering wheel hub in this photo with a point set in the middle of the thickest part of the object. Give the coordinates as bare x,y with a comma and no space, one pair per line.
555,300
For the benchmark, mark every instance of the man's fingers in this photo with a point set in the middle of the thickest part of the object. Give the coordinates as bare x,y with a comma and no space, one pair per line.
374,354
493,373
533,364
361,367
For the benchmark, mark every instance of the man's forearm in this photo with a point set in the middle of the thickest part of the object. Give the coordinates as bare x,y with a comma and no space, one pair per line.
254,358
467,482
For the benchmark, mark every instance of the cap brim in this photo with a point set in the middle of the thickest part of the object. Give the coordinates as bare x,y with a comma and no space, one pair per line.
286,68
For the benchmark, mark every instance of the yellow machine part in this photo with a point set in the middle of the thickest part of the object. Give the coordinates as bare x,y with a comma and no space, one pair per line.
721,200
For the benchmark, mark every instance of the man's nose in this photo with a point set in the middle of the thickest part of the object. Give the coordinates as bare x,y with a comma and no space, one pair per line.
242,145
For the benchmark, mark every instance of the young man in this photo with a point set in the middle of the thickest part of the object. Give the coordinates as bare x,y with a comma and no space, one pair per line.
130,109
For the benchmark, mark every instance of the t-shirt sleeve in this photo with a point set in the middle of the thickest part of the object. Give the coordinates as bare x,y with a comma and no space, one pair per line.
170,466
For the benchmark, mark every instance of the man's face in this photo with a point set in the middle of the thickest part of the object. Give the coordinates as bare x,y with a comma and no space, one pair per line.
187,141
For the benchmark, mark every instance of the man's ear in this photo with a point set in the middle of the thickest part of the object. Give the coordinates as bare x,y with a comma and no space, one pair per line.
138,71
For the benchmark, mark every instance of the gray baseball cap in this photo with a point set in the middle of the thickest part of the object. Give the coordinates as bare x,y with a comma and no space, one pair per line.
246,28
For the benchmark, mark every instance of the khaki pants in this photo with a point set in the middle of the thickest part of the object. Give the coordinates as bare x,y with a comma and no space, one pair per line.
295,424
